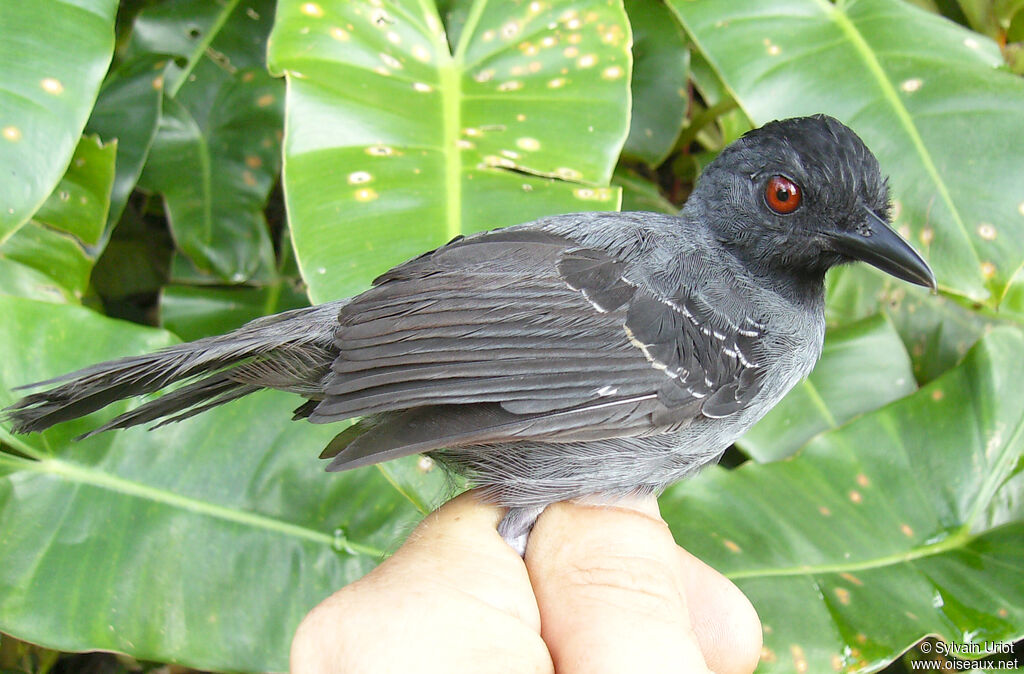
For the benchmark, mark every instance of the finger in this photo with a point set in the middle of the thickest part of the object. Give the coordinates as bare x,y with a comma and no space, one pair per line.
455,597
727,627
611,591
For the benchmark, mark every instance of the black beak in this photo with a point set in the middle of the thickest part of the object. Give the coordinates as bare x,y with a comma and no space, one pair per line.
878,245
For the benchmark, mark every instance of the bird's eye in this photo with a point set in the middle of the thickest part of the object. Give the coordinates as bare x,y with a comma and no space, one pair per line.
782,195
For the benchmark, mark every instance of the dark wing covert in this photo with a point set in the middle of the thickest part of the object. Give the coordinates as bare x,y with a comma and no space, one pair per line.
519,334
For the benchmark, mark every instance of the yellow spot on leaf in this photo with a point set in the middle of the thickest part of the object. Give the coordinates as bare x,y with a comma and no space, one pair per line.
366,194
312,9
511,85
380,151
851,578
265,100
911,85
421,53
158,82
856,497
987,231
612,72
253,162
731,546
422,87
843,595
570,52
12,133
556,83
248,178
799,659
907,531
359,177
425,464
768,655
824,511
528,144
927,234
339,34
51,85
988,270
510,30
837,662
938,395
566,173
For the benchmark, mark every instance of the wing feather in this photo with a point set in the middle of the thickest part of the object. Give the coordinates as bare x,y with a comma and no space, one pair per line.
520,334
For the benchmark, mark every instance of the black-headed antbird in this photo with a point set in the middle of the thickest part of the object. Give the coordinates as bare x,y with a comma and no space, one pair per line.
592,353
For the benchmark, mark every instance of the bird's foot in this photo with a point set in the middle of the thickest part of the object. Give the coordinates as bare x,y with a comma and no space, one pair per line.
516,525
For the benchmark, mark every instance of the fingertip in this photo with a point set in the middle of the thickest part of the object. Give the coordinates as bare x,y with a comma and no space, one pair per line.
725,622
610,595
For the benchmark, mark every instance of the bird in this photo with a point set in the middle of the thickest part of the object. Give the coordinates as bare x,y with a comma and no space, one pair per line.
605,354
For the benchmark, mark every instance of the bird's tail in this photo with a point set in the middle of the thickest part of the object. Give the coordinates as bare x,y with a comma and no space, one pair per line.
290,351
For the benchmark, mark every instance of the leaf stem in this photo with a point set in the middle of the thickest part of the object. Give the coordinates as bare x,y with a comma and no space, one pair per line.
958,539
96,478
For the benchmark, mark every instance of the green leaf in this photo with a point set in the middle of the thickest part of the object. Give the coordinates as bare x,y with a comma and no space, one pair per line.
128,110
394,144
661,62
163,544
839,389
46,91
936,330
888,529
50,259
640,194
192,312
938,110
216,153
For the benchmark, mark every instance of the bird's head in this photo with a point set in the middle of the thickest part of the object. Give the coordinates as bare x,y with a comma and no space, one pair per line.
803,195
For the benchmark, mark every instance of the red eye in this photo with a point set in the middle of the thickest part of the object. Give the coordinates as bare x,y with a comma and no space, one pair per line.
782,195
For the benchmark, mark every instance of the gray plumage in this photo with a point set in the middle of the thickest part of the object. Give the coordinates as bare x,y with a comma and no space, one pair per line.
592,353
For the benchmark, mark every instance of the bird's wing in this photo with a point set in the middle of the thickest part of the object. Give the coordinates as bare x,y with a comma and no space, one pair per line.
524,334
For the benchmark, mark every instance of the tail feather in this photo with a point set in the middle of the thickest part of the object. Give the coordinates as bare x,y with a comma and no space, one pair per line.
290,351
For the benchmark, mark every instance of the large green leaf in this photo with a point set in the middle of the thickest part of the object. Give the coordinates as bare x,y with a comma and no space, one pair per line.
901,524
660,68
46,91
936,330
128,110
940,113
216,153
163,544
52,256
192,312
863,367
395,144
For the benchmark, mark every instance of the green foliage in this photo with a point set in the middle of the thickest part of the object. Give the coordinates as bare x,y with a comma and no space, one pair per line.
869,513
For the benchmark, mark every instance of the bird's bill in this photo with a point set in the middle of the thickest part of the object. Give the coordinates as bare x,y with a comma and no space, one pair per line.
878,245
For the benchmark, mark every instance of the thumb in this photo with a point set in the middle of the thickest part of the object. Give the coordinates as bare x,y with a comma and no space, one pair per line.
616,594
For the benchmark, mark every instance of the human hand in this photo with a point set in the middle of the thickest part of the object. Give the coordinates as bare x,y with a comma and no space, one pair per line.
603,588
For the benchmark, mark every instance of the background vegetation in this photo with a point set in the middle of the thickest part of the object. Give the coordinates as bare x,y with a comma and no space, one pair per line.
142,201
